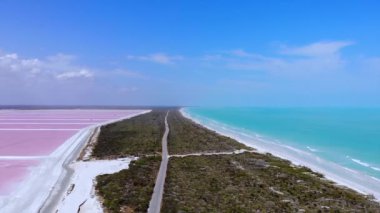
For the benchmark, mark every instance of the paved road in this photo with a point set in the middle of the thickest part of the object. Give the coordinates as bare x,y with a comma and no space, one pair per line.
214,153
155,202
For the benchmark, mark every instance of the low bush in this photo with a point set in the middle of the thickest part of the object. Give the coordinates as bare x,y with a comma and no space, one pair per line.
136,136
185,137
129,190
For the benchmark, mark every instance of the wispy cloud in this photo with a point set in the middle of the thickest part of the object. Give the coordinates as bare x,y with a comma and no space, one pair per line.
318,49
242,53
310,58
78,74
160,58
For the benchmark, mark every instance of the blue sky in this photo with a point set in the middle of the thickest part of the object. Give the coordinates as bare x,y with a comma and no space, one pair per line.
230,53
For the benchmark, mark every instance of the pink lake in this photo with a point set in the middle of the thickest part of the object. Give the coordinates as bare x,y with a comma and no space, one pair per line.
28,134
13,171
29,143
30,125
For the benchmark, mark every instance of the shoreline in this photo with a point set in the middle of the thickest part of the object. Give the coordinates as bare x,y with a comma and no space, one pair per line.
297,157
56,200
33,191
41,195
80,195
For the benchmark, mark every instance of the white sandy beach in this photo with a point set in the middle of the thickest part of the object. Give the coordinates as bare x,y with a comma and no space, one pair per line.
81,196
342,176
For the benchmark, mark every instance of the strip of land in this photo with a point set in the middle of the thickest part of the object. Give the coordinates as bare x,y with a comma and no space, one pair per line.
208,172
138,136
188,137
131,190
252,181
158,191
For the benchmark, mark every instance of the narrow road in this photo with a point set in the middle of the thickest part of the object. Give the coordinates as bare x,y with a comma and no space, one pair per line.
214,153
158,191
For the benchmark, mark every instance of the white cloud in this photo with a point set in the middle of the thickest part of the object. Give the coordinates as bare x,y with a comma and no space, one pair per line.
55,80
319,57
78,74
159,58
12,63
286,65
36,80
59,66
6,57
318,49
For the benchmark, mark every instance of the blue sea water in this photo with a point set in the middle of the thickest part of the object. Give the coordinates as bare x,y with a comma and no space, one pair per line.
348,137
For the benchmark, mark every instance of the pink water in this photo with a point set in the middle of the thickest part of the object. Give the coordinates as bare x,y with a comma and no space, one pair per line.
37,133
31,143
12,172
43,125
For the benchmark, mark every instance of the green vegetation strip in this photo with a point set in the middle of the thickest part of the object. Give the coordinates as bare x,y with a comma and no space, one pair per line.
137,136
248,182
129,190
186,137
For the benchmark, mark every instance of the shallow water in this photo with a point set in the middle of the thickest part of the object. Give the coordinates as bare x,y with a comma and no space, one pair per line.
348,137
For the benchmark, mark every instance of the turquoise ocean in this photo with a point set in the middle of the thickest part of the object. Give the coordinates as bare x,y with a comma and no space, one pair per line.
341,143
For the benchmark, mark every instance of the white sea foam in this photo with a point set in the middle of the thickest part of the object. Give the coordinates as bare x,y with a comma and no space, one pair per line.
360,162
365,164
356,180
351,170
312,149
